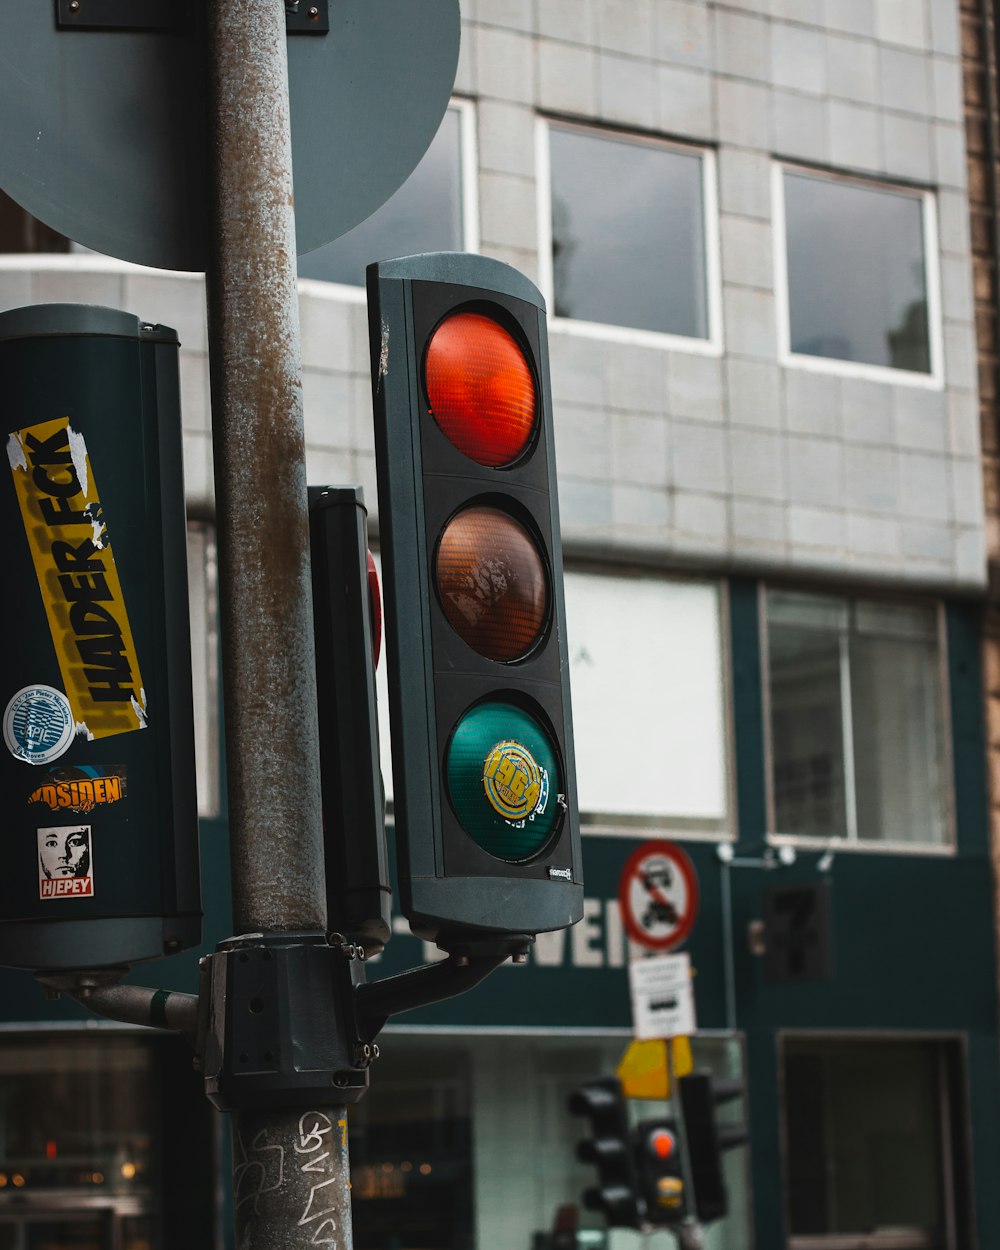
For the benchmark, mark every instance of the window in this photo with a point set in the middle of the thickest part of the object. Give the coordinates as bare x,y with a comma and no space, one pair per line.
649,725
859,276
856,720
432,211
628,233
20,232
868,1149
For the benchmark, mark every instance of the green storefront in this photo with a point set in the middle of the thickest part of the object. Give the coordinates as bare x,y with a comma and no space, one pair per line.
872,1094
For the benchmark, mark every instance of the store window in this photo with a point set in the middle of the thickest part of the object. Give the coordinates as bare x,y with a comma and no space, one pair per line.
857,723
411,1151
77,1150
859,273
630,232
203,604
870,1156
433,211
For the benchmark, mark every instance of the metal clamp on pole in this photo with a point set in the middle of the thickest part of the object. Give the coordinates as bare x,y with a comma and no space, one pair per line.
417,987
281,1026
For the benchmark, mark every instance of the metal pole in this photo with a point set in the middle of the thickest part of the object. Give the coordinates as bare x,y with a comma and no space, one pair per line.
290,1169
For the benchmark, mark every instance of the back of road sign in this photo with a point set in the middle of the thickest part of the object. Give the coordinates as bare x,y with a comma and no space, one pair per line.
105,132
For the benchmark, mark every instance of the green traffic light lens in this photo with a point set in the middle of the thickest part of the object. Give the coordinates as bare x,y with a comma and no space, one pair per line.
503,779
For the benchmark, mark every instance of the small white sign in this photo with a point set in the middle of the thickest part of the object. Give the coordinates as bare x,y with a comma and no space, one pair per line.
662,997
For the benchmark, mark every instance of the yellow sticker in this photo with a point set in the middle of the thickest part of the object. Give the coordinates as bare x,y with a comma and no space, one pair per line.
71,552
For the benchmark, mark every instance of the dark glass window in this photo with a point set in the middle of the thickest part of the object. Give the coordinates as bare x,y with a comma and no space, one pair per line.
424,215
411,1153
857,273
867,1142
856,719
628,232
20,232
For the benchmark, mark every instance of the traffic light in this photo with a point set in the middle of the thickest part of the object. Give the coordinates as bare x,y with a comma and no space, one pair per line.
707,1140
346,629
100,816
610,1149
661,1176
484,786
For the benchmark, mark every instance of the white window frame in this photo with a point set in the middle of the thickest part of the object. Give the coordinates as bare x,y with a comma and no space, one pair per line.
711,346
851,843
934,380
469,176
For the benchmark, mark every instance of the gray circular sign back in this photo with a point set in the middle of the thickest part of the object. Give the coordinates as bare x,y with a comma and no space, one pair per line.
104,133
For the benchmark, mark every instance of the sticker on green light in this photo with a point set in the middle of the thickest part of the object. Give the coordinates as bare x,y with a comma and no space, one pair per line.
503,779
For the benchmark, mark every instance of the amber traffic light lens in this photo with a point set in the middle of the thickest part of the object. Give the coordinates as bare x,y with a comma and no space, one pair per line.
480,389
492,583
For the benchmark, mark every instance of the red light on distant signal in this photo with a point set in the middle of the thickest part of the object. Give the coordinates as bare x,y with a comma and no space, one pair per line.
662,1143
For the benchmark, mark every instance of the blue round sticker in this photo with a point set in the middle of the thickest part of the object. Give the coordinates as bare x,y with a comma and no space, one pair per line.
38,724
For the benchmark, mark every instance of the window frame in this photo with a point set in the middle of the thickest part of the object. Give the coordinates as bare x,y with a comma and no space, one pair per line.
888,1239
714,344
469,189
624,825
851,844
933,380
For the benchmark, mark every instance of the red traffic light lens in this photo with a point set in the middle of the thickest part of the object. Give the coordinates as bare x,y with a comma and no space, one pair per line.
492,583
662,1143
480,389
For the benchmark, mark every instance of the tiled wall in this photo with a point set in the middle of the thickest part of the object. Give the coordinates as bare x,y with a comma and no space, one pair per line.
670,454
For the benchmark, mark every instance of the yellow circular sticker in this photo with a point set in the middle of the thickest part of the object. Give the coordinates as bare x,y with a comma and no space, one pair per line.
513,780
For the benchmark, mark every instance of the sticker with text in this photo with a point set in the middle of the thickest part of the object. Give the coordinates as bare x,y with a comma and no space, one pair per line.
65,862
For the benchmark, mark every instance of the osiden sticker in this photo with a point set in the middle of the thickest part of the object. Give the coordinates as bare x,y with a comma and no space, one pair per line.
80,788
38,724
75,566
65,862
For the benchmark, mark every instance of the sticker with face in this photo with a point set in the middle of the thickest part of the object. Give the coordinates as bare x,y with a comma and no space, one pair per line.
65,862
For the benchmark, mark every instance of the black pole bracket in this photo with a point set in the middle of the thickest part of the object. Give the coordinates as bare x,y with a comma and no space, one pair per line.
279,1024
175,17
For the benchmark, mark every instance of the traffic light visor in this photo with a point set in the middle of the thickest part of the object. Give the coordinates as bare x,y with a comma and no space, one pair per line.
480,388
503,779
492,583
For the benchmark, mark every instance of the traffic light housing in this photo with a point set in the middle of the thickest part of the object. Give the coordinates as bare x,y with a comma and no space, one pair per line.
100,815
484,784
707,1140
610,1148
357,872
661,1176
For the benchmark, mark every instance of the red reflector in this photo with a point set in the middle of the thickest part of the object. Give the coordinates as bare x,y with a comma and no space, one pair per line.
375,599
492,583
480,389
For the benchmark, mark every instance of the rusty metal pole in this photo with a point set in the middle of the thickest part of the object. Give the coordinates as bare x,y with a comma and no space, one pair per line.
290,1176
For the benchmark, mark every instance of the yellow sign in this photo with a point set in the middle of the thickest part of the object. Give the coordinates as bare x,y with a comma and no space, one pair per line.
71,552
643,1069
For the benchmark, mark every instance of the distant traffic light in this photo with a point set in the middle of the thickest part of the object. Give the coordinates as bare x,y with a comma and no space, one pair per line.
661,1176
707,1140
484,784
610,1148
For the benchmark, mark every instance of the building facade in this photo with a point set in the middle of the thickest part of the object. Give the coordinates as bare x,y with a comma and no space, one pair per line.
763,229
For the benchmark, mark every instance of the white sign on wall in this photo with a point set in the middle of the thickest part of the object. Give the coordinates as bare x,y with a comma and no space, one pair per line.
662,997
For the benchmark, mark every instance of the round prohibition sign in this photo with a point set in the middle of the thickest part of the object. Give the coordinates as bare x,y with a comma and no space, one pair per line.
658,895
